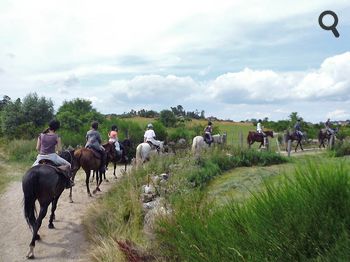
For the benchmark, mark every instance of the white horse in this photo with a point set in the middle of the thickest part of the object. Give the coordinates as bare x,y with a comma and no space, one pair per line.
198,142
144,152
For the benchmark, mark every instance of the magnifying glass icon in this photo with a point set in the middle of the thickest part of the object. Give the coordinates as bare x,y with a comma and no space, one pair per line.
332,27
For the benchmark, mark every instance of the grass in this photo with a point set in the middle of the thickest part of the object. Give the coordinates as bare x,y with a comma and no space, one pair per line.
304,218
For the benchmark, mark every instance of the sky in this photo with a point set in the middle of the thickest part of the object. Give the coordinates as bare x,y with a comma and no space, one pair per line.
233,59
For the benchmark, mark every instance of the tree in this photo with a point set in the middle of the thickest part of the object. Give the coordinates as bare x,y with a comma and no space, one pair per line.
74,114
12,118
5,101
167,118
37,111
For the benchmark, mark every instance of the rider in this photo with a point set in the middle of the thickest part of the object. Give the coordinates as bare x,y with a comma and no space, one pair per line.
259,129
113,138
208,138
149,137
47,145
327,125
93,141
297,128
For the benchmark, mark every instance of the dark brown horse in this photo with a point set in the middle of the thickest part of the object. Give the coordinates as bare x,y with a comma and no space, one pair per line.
44,183
294,137
113,157
88,160
257,137
324,136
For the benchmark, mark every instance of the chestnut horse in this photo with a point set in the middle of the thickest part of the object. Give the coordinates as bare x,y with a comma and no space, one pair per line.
257,137
88,160
44,183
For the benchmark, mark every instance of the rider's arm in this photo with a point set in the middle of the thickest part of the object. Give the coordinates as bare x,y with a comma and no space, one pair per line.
38,144
59,144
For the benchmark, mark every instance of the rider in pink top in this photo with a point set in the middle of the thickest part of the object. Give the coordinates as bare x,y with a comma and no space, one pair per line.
113,138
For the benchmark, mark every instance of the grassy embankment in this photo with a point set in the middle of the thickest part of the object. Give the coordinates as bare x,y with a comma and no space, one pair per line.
120,216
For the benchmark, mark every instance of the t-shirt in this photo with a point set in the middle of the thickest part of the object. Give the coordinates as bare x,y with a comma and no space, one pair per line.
258,127
149,134
48,143
93,139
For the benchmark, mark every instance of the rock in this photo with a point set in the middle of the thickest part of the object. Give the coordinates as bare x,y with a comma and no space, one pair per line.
147,197
148,189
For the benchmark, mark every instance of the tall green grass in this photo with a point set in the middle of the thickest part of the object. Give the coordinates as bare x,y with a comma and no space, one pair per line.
20,150
305,218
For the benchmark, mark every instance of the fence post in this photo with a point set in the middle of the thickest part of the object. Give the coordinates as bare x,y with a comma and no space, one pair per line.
278,144
331,142
289,145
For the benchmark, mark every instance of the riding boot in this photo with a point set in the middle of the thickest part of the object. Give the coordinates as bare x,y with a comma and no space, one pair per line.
68,174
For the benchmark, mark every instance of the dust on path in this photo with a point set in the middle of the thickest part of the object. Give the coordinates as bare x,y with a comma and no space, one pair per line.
67,242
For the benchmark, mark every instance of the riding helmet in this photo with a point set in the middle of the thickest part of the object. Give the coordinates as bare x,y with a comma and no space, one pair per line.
150,125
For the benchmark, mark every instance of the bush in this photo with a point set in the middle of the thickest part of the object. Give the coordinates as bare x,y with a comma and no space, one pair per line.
341,148
21,150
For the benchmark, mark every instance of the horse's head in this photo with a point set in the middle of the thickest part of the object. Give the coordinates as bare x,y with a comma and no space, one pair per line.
269,133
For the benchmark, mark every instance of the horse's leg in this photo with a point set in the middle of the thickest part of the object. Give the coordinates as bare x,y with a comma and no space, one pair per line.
36,236
53,209
115,166
88,172
98,181
297,146
301,146
93,176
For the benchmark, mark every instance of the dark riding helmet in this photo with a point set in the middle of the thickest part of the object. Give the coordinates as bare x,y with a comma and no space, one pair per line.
94,125
259,121
54,125
114,128
209,123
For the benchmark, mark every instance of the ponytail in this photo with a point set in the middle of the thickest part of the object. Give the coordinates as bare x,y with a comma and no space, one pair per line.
46,131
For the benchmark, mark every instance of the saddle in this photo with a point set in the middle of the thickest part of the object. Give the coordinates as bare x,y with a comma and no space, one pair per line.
96,153
153,147
61,170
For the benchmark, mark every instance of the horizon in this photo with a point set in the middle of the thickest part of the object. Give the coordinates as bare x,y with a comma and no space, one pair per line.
241,60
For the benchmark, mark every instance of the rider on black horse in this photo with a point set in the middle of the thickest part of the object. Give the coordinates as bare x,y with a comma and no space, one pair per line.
208,137
113,139
297,128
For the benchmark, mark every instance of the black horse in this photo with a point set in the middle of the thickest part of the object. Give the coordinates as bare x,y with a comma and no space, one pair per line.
324,135
44,183
294,136
113,157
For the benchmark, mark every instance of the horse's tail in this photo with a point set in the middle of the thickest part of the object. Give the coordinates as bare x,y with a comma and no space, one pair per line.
194,145
28,186
138,155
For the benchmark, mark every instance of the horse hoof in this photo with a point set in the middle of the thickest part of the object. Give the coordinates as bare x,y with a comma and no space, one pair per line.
98,189
107,180
89,194
31,257
37,237
51,226
71,201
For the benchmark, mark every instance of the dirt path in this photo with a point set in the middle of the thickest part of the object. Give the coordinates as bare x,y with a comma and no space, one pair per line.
67,242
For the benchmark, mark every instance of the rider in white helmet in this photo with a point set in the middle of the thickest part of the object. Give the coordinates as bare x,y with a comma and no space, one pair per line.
149,136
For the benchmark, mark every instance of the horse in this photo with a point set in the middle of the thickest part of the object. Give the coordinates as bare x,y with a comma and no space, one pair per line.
294,137
257,137
114,158
45,183
144,152
88,160
324,135
199,143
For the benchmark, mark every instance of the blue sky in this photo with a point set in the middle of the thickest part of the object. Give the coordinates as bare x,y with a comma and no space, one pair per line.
234,59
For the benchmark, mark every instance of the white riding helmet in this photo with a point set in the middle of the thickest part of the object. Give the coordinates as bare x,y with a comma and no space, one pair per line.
150,126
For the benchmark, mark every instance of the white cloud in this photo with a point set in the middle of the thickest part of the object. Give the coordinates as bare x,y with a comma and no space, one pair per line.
329,82
339,114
